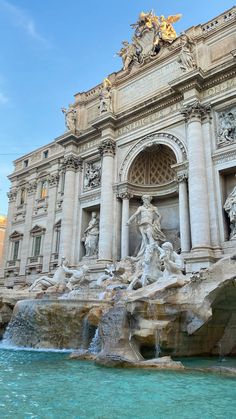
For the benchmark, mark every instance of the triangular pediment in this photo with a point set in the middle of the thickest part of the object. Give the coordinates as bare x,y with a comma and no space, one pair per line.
37,230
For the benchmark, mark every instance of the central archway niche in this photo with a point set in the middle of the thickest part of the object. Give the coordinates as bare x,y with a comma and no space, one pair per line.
151,173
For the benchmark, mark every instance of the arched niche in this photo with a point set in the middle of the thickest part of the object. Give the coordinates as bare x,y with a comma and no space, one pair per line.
170,141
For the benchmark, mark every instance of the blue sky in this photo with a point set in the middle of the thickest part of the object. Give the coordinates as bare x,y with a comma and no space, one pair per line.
51,49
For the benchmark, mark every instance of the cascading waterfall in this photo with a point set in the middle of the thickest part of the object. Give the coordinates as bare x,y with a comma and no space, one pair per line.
95,345
157,344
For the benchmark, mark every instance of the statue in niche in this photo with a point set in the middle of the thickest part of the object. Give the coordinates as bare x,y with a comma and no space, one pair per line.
106,97
57,280
186,58
91,235
78,276
230,208
92,175
70,118
148,220
227,126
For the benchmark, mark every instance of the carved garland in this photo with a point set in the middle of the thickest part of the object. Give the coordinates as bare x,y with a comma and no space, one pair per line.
148,141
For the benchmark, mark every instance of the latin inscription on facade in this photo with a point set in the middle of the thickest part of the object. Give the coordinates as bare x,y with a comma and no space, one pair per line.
150,118
147,85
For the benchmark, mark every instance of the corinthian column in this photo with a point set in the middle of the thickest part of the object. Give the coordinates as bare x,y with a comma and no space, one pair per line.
70,165
125,196
107,150
184,212
198,192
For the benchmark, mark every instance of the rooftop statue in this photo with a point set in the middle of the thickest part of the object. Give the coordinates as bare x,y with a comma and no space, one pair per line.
70,118
106,97
151,32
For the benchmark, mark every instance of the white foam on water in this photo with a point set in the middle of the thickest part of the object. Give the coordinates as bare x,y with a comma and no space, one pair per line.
7,346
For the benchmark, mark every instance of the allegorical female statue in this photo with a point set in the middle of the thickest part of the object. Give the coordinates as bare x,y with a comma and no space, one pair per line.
230,208
91,235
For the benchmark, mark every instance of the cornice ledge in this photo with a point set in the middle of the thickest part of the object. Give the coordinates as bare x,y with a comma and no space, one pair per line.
193,79
106,120
68,138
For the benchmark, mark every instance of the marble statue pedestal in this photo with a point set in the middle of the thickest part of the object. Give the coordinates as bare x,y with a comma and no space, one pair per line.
201,258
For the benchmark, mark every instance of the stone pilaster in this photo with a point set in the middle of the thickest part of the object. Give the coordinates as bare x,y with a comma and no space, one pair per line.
12,195
125,196
198,192
107,151
70,165
26,243
182,178
48,239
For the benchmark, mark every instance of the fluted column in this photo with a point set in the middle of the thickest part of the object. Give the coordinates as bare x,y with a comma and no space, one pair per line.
198,192
125,196
70,165
107,150
184,212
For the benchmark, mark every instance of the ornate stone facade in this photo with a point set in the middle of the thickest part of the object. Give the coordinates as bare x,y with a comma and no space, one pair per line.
163,126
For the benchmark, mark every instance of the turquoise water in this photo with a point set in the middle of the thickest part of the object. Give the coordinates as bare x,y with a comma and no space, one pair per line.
48,385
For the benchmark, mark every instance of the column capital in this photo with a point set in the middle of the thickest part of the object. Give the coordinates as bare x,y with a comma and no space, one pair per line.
195,110
124,195
31,187
182,176
72,162
53,180
12,194
107,148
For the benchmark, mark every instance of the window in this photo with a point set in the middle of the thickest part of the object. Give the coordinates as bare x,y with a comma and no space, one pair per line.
15,249
45,154
26,163
15,239
44,189
62,182
57,243
57,232
37,234
22,196
36,245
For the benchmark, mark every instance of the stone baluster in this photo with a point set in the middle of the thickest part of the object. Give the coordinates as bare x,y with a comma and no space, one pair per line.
107,151
184,212
70,165
125,196
198,192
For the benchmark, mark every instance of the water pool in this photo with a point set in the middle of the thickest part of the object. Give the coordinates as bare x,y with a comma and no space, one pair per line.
48,385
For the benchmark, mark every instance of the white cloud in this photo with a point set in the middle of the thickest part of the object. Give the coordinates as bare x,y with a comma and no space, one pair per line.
21,19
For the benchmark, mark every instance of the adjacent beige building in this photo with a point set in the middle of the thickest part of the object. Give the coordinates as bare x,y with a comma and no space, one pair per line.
3,225
165,126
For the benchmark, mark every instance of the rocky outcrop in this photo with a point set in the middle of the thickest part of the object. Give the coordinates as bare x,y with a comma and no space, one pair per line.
194,317
50,324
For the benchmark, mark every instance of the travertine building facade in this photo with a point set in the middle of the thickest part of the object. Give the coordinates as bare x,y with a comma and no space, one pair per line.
165,126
